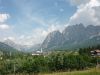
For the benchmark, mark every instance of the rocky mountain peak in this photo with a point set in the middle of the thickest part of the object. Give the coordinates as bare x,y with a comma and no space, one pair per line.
71,35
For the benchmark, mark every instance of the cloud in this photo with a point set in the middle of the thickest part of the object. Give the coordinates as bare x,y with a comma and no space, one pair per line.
10,38
40,33
78,2
87,13
4,17
4,27
37,36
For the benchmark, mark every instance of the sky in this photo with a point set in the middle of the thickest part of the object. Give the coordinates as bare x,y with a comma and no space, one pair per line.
28,22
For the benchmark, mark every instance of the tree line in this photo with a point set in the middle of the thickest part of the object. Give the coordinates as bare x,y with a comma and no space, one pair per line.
54,62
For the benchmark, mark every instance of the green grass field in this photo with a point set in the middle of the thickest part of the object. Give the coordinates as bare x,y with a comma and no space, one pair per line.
87,72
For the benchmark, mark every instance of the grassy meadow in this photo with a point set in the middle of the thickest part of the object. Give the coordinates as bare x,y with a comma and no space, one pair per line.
86,72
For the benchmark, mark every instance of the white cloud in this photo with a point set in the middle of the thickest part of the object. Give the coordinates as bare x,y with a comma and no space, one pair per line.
4,27
10,38
55,27
4,17
87,13
37,36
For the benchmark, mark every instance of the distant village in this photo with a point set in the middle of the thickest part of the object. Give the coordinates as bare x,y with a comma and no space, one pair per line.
40,52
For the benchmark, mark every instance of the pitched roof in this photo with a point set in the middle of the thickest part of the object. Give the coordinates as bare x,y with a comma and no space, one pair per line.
98,51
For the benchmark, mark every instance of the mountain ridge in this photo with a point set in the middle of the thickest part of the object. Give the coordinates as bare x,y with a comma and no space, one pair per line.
72,36
6,48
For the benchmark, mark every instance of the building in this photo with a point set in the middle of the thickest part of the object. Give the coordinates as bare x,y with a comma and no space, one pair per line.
95,52
39,52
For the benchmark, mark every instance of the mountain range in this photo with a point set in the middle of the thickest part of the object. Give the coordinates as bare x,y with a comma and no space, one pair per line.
73,37
6,48
24,48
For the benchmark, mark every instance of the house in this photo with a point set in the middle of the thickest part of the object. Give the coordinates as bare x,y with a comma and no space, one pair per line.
95,52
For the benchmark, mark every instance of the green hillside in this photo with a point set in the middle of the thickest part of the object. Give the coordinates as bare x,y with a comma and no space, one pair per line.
6,48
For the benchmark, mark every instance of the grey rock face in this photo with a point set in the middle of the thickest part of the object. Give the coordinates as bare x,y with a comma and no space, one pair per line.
54,39
71,35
